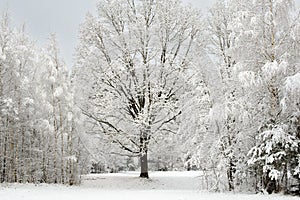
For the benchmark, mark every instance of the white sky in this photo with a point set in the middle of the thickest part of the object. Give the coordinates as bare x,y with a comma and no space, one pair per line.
42,17
62,17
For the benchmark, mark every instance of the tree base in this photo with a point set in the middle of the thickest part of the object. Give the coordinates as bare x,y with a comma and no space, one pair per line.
144,175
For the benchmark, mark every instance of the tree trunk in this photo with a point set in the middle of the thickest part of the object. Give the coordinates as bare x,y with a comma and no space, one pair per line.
144,141
144,165
230,172
3,173
62,168
285,178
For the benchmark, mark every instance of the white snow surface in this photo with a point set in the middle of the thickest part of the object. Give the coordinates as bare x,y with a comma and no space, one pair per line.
127,186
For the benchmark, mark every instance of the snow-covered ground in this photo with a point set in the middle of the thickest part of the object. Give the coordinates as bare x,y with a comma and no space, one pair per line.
127,186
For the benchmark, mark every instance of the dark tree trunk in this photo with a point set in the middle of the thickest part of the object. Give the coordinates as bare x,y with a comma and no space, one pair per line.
285,179
230,176
3,174
270,185
144,165
144,142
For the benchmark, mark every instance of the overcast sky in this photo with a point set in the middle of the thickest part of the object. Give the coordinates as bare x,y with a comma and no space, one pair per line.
62,17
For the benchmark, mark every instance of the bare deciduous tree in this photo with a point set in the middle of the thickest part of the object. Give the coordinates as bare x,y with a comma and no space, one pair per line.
135,58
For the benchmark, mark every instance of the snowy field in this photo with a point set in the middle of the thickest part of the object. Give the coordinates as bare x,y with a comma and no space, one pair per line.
127,186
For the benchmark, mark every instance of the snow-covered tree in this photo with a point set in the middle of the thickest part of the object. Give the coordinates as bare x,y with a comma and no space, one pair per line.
222,40
17,62
135,57
57,97
264,59
225,110
37,119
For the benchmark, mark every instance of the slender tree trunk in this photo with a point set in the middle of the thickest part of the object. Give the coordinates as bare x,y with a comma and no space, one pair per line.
230,172
1,148
12,151
285,178
3,173
16,155
62,171
23,156
71,170
55,158
2,135
44,148
28,161
257,179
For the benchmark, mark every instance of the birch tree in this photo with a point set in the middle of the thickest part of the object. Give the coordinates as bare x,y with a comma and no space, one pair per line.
263,55
59,117
17,58
222,40
38,122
